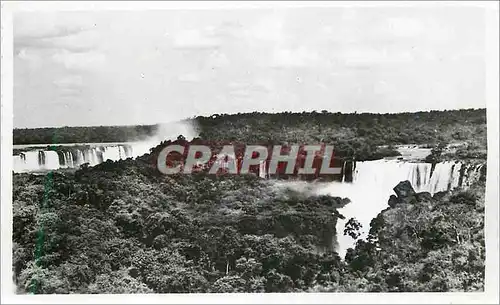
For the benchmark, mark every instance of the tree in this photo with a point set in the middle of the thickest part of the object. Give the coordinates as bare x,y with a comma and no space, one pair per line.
352,228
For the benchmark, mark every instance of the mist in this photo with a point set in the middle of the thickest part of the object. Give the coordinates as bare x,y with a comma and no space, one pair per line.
164,132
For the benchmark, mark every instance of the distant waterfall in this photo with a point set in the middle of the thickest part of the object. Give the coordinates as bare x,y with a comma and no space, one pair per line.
36,160
262,169
43,159
373,183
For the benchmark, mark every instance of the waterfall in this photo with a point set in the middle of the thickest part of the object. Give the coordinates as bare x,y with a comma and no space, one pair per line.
442,177
51,160
111,153
19,163
80,159
36,160
137,149
40,159
68,160
262,169
373,183
91,156
31,161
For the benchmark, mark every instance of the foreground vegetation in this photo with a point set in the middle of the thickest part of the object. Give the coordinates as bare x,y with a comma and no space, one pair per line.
422,244
121,227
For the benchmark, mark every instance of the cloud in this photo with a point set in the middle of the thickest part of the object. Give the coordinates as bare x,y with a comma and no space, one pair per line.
247,89
29,56
189,78
356,56
50,24
44,43
294,58
38,32
248,86
217,59
51,31
270,28
79,61
195,39
334,54
404,27
399,28
228,29
67,92
69,81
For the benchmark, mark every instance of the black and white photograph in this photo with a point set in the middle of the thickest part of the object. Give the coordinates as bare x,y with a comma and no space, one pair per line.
209,150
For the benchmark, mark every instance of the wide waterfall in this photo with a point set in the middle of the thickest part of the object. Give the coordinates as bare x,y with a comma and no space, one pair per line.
40,159
373,183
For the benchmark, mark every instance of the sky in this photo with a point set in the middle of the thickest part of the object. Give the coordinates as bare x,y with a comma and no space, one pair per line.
88,68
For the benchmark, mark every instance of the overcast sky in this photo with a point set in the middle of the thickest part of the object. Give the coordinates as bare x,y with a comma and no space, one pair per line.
146,67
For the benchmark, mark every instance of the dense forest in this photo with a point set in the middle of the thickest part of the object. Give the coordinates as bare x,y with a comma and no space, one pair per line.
121,227
90,134
305,127
374,129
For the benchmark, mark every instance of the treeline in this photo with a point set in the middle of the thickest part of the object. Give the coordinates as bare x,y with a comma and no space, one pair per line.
93,134
358,129
121,227
357,136
306,127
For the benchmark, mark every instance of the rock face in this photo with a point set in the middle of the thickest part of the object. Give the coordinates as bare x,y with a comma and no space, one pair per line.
407,195
404,189
423,196
393,201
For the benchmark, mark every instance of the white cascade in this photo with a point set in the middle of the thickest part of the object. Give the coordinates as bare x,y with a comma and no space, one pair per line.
40,160
68,159
51,160
80,158
373,183
262,169
140,148
111,153
29,161
19,164
36,160
91,156
26,161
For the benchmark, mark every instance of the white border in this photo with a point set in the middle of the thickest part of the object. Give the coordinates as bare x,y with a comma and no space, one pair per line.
492,174
6,148
492,199
216,5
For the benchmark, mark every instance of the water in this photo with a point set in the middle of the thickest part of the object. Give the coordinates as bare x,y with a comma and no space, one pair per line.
40,159
373,184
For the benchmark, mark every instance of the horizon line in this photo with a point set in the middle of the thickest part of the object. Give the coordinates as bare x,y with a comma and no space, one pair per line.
254,112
